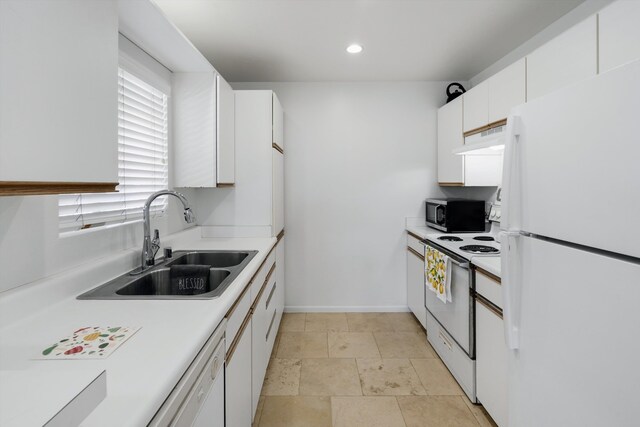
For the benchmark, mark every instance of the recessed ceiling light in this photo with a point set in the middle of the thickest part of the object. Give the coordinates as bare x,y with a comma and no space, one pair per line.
354,48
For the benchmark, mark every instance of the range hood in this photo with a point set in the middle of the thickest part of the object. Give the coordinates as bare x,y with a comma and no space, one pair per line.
489,142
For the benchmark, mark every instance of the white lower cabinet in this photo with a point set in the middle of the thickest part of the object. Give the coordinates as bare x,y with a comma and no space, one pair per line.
238,396
491,362
252,343
415,282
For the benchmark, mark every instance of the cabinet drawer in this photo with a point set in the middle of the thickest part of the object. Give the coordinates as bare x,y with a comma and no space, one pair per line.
415,244
236,316
261,275
489,288
459,364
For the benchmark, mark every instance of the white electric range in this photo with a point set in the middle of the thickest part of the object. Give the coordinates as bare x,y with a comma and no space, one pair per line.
467,245
450,326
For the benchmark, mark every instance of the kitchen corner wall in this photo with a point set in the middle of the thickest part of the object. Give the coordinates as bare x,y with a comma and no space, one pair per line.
359,158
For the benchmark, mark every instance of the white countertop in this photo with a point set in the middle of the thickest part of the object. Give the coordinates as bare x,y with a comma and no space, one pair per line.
490,264
144,370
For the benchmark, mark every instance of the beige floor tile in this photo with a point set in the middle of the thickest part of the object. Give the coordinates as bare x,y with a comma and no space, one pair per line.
436,378
389,377
353,344
276,343
329,377
256,418
403,344
296,411
368,322
282,378
436,411
326,322
300,345
478,411
292,322
366,412
404,322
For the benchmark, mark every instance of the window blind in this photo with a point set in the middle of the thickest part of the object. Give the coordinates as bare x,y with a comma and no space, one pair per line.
142,161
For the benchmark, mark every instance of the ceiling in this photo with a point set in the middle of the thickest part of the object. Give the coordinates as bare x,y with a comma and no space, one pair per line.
305,40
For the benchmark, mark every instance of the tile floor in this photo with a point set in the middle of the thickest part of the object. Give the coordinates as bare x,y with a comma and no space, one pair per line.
360,369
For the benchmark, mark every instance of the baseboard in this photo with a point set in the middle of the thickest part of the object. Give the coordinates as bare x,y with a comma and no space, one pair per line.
345,309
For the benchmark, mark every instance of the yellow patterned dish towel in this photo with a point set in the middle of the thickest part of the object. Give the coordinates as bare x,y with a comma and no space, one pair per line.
436,274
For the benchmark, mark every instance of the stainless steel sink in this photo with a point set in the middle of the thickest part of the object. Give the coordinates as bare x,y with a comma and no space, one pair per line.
213,259
156,283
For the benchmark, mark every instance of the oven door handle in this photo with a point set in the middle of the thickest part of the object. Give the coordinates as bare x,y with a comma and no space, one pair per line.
464,265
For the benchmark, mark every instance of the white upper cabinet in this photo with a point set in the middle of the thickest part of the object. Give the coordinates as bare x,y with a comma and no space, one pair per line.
476,107
226,136
59,93
194,129
568,58
204,130
278,123
506,90
450,166
619,34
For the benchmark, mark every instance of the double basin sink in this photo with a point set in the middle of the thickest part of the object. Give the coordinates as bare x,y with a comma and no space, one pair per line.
158,282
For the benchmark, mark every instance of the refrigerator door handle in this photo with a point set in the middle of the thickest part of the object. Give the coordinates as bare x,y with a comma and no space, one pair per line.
511,287
509,186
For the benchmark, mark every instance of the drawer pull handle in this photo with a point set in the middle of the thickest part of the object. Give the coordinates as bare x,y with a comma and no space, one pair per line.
266,305
266,338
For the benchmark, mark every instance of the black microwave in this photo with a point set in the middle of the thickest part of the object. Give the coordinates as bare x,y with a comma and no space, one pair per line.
456,215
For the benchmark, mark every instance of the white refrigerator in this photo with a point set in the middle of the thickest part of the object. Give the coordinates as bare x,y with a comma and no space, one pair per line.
571,255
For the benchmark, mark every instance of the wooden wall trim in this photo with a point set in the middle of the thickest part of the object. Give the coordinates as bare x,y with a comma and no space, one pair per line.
491,125
35,188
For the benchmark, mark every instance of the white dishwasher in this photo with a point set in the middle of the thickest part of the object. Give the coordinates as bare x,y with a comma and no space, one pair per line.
198,398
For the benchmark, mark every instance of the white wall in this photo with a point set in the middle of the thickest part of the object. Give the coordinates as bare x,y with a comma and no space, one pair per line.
359,158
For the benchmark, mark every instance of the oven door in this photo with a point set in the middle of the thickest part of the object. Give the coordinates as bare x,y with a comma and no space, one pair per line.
456,316
437,214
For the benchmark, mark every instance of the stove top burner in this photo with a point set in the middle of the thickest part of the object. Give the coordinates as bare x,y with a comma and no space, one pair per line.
484,238
450,238
479,249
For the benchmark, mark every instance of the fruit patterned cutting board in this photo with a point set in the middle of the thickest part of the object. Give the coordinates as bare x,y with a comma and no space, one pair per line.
91,342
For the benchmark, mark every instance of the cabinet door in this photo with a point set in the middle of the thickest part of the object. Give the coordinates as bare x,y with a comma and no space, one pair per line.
278,123
194,129
415,287
476,107
569,58
619,34
278,192
450,166
259,356
226,134
59,91
507,89
491,363
238,394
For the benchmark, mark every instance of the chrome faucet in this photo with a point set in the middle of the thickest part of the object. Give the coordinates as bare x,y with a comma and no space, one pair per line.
150,247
